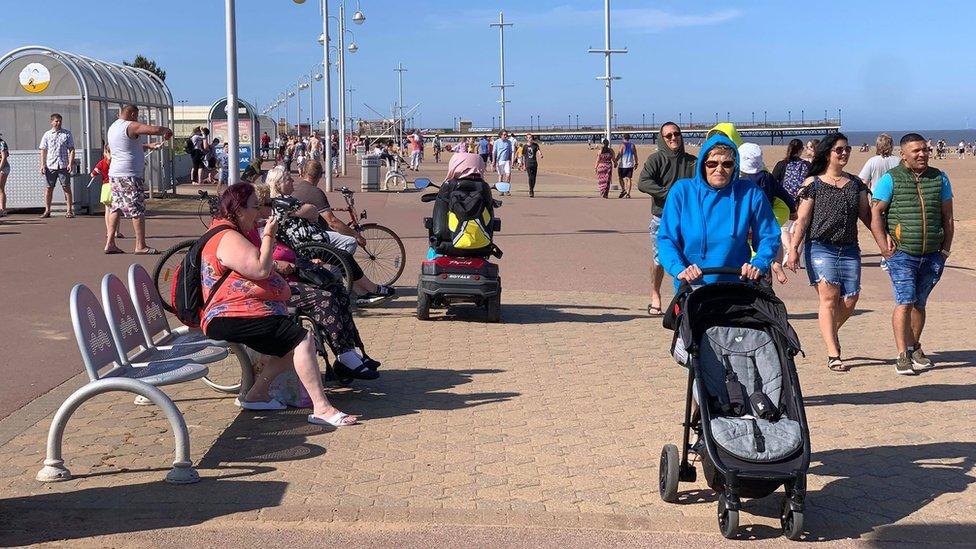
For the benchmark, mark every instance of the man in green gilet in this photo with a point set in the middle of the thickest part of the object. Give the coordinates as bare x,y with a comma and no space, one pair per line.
911,220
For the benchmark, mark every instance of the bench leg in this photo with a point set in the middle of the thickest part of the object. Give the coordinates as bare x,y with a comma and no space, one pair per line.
54,469
247,376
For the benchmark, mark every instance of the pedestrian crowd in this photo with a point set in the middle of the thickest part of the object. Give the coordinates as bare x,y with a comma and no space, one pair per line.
725,209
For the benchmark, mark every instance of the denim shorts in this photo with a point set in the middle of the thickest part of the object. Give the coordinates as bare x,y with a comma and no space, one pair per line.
913,276
839,265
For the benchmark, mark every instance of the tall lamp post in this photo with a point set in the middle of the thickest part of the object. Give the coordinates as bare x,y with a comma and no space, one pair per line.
233,139
301,85
607,77
501,24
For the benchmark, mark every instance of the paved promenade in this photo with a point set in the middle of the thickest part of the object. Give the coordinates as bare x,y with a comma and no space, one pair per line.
543,430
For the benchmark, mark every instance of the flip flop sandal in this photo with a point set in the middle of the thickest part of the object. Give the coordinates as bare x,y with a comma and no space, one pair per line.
337,420
115,251
147,251
835,364
654,311
69,215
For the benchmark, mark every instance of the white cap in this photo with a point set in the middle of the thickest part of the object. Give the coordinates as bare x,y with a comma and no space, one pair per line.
750,158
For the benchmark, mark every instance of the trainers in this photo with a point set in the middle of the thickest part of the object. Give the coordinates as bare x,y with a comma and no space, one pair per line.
921,362
903,365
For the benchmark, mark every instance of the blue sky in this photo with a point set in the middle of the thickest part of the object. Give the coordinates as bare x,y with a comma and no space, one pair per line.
898,66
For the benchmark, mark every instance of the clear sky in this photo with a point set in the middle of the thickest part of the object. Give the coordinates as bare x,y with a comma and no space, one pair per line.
890,65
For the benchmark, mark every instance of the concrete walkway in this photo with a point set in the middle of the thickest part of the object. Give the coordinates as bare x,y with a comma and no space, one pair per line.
542,430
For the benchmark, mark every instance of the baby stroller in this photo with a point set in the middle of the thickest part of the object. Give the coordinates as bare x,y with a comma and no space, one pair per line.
738,346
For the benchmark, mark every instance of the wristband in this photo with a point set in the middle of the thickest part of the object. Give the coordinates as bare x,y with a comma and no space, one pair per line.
946,253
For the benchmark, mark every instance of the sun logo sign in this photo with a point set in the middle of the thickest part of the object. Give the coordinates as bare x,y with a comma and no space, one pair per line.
35,78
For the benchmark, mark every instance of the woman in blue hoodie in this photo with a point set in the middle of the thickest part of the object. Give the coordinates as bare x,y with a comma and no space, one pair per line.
710,220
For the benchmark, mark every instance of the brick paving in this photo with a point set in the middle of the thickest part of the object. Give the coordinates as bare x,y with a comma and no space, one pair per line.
552,419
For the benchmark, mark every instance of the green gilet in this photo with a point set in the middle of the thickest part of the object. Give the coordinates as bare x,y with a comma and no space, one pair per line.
915,211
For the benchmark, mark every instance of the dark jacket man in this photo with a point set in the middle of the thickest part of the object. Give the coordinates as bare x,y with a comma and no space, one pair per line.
669,164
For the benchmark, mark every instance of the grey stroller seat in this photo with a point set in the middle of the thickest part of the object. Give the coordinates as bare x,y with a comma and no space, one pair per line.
753,357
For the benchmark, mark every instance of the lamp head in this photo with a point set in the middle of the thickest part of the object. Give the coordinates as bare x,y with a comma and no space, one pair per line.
318,76
353,48
358,18
321,39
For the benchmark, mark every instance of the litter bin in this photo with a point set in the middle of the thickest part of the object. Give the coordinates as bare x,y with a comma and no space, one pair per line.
370,181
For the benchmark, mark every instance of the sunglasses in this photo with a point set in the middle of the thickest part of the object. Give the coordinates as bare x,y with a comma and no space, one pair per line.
727,164
842,150
671,135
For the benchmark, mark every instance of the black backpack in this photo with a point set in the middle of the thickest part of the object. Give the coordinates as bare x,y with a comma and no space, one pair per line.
188,145
187,286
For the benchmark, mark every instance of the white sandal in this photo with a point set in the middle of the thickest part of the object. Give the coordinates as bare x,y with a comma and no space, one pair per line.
337,420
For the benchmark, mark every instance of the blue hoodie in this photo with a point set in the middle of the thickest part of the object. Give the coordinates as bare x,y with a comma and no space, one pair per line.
710,227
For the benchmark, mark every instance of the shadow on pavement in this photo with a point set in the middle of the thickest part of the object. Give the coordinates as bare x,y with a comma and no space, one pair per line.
73,515
263,437
531,313
953,359
919,393
881,485
813,314
945,533
407,392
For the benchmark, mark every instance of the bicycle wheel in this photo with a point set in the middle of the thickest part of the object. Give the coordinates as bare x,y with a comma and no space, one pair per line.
395,181
203,212
330,259
166,268
383,257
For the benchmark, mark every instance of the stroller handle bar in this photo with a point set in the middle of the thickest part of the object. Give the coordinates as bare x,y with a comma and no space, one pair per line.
721,271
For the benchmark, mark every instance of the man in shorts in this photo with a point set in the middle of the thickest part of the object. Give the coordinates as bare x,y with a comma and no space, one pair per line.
126,175
502,151
626,160
911,220
57,156
669,164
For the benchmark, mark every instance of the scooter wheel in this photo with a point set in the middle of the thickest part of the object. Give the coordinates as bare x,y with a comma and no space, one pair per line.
494,309
423,306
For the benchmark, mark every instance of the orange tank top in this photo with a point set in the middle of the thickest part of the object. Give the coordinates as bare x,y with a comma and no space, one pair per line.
238,297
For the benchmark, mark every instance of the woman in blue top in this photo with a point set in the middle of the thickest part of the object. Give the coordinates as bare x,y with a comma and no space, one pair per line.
709,220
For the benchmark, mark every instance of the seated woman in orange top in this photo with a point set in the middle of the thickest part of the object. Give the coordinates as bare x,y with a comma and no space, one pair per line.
249,306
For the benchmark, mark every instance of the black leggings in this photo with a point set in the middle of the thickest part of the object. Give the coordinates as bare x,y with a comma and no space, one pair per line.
531,170
329,308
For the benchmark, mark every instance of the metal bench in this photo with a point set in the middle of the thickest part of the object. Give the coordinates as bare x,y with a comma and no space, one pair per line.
99,350
154,324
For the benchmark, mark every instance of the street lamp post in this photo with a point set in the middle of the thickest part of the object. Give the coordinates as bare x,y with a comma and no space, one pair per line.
501,24
399,129
608,78
233,139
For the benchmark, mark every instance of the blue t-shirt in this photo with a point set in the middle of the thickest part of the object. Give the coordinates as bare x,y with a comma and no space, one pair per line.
482,146
503,150
885,187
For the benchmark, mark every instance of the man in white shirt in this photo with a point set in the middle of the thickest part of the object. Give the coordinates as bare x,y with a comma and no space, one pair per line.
878,165
126,175
57,157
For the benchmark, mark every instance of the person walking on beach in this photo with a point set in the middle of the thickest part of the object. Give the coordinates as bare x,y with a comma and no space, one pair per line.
791,172
502,151
126,173
878,165
436,143
531,154
604,168
483,149
831,203
626,160
809,149
661,169
912,225
57,157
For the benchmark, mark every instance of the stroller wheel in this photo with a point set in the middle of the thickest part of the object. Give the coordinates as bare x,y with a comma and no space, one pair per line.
728,520
668,473
791,521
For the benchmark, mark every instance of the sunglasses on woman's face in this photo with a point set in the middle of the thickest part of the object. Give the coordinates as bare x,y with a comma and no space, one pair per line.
727,164
672,135
842,150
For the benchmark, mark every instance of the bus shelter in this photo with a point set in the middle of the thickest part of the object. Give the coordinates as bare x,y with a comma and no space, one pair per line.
248,129
36,81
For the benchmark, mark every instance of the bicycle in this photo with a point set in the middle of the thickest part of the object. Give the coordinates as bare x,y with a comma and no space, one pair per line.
394,179
383,257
